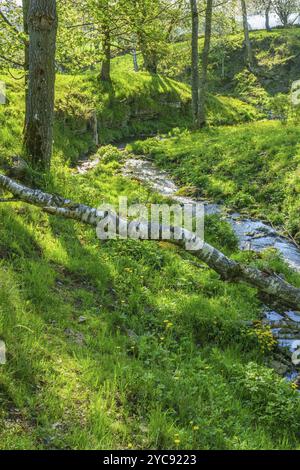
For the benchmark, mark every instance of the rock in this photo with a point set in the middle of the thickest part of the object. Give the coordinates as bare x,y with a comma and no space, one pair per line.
79,339
82,319
69,332
19,168
131,334
75,336
57,425
279,367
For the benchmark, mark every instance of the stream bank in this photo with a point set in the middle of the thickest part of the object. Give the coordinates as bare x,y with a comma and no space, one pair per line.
252,235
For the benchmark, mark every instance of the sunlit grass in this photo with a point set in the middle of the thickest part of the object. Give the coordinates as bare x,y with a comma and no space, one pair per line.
160,359
253,167
127,344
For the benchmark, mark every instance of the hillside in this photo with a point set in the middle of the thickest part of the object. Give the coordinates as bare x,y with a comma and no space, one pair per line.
277,64
94,364
253,168
135,104
129,344
74,327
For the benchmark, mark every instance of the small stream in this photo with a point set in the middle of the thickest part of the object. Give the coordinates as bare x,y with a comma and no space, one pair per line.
252,235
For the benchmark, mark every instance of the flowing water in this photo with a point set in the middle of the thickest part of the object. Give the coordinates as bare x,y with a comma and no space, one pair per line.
252,235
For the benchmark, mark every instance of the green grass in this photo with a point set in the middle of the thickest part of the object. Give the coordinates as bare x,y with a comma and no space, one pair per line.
134,104
254,168
164,358
277,65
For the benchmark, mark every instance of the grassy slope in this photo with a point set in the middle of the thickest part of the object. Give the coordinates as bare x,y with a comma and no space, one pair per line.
135,104
253,167
277,65
167,364
164,358
140,103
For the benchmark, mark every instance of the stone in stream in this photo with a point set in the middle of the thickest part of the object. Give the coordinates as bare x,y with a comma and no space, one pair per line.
279,367
273,316
294,316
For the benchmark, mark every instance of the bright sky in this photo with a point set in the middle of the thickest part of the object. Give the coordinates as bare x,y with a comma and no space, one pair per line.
255,21
258,21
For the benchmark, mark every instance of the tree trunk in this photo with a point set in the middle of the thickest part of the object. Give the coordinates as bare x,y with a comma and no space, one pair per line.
268,27
42,26
26,54
228,269
105,69
135,61
223,65
195,59
94,127
150,62
249,54
25,28
149,54
204,65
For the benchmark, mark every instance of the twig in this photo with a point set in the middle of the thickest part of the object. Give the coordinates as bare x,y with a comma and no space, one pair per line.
11,199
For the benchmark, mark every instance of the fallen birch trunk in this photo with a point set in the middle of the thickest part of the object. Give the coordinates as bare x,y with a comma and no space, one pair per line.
228,269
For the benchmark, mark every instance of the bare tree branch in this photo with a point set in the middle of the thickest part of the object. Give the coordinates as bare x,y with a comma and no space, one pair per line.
6,20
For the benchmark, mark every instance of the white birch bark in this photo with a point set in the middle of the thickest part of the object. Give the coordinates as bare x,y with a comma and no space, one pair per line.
228,269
